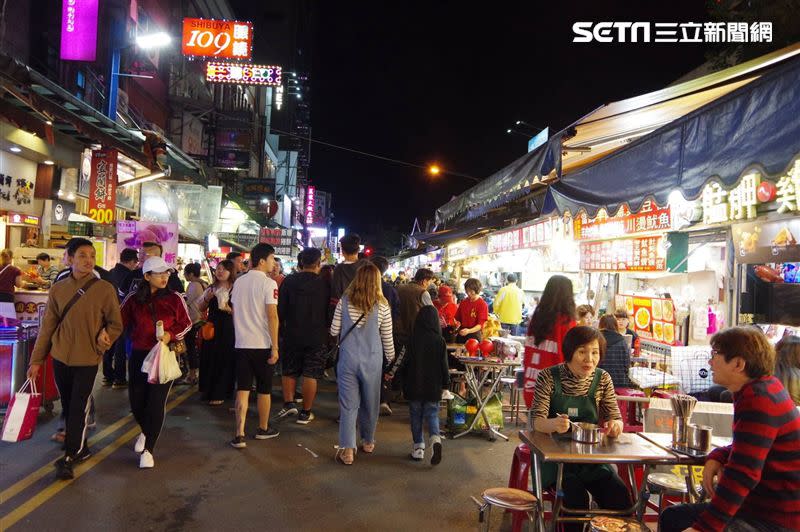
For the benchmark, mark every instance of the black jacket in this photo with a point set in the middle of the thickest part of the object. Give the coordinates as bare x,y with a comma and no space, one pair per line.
425,371
617,360
117,275
303,311
101,273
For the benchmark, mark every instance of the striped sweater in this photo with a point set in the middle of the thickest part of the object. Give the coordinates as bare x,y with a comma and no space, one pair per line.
384,325
760,478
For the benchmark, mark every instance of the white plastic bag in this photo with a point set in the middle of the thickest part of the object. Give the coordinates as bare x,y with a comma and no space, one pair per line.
151,363
168,367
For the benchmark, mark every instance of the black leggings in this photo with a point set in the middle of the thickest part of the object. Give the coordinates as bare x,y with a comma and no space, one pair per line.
192,354
148,401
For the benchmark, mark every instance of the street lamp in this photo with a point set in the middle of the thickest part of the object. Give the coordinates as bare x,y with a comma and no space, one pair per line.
153,40
434,169
146,42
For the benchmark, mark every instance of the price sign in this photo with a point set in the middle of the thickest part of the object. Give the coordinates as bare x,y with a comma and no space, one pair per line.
228,39
103,186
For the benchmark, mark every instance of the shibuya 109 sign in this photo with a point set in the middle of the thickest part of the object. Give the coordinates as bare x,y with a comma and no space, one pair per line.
224,39
244,74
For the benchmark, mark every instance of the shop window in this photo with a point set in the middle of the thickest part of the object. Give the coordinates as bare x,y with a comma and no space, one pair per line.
80,85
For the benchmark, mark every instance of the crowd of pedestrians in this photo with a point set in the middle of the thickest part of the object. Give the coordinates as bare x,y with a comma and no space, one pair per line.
380,338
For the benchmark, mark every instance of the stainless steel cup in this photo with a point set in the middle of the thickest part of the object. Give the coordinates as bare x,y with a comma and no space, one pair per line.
700,437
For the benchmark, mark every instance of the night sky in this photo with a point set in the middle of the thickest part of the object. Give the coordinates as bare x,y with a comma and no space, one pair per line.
443,80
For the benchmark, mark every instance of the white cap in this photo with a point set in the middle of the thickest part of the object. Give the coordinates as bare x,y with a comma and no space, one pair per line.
155,265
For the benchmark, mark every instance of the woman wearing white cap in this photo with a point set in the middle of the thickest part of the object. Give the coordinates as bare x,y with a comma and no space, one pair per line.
150,303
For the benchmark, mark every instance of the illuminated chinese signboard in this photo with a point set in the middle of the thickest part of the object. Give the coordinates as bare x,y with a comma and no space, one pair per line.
280,239
79,30
649,218
311,193
532,235
741,203
644,254
15,218
243,74
103,186
223,39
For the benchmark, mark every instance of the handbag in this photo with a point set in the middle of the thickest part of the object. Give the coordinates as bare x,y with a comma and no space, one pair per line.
176,346
333,355
207,331
22,413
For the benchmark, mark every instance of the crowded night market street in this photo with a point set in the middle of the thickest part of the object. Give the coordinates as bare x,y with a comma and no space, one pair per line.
347,265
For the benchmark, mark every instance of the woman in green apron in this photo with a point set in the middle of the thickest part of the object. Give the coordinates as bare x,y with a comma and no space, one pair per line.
578,390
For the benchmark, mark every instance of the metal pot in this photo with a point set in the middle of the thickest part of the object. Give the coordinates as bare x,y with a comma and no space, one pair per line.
585,432
700,437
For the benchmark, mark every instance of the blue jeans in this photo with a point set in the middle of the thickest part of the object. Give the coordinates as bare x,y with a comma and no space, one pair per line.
682,516
421,411
512,328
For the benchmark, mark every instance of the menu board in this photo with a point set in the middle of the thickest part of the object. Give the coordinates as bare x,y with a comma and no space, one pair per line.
652,318
644,254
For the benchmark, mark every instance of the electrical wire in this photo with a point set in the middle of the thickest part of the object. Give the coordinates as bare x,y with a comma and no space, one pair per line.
353,150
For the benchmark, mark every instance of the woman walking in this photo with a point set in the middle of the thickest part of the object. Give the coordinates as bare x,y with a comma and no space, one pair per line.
553,317
150,303
194,291
425,376
218,370
364,319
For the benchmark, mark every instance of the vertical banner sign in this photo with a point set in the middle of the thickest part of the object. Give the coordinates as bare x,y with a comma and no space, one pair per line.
103,186
311,193
79,30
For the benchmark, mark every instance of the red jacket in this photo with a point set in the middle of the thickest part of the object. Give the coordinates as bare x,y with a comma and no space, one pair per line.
138,318
545,354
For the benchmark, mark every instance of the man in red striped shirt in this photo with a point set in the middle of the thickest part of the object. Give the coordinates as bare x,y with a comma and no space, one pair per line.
758,475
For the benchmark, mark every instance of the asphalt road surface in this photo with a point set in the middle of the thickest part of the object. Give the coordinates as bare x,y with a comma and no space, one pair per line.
201,483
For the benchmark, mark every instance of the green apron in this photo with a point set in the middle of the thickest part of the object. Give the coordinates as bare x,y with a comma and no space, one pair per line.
579,409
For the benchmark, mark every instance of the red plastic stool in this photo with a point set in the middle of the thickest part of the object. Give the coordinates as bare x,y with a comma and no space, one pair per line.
518,478
663,394
628,409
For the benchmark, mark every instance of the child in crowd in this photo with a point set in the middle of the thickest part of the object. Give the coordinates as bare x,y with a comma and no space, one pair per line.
425,375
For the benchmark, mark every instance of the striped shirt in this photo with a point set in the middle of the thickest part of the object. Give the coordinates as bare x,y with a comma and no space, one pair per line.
384,324
760,478
573,385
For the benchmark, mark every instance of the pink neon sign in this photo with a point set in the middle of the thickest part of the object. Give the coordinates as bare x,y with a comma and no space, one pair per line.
79,30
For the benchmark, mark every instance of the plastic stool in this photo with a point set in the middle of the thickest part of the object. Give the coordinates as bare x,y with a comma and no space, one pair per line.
667,485
518,479
511,382
517,501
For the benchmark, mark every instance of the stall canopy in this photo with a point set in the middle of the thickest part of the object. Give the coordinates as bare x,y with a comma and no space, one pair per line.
753,127
513,181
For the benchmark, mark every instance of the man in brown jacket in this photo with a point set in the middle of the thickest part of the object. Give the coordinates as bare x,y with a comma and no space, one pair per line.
81,321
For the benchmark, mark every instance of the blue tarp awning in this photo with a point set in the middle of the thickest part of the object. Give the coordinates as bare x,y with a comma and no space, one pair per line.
756,126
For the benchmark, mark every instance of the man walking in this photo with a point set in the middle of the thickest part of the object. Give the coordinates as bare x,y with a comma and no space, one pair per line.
412,296
82,319
344,272
303,313
254,300
508,305
115,359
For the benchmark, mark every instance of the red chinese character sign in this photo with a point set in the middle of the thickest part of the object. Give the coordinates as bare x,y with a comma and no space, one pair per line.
222,39
649,218
103,186
645,254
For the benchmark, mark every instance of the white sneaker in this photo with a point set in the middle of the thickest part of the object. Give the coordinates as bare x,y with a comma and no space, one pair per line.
447,395
139,445
418,453
146,461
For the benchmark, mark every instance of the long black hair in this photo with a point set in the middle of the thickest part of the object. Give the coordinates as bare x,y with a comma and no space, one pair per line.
143,296
557,300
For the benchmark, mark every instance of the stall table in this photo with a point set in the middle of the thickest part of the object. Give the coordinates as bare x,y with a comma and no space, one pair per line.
629,449
478,372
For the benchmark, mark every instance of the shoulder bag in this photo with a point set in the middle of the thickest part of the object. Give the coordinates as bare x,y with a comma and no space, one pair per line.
333,355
